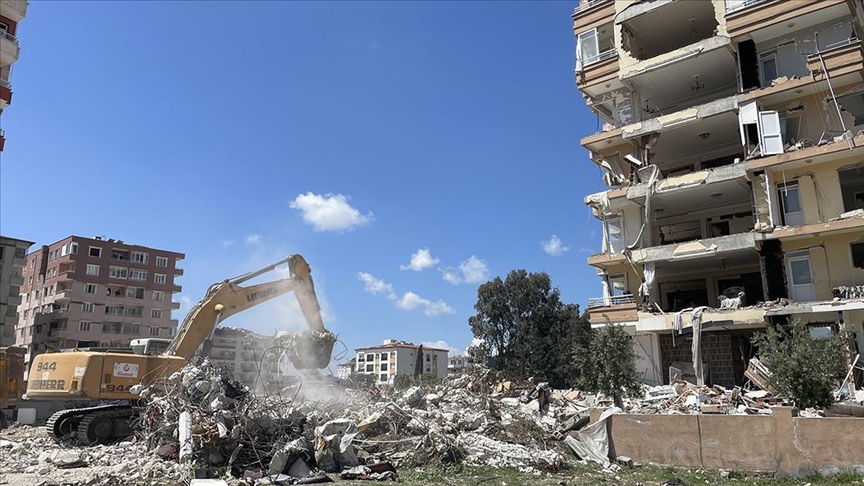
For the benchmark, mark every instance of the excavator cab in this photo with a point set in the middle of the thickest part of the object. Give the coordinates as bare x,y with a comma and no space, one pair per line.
149,346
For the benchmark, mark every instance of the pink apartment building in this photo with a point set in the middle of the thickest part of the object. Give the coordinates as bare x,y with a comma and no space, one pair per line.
96,292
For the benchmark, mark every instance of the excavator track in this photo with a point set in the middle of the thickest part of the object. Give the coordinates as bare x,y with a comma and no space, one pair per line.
89,425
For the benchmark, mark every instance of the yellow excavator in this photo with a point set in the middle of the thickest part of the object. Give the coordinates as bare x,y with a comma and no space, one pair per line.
107,376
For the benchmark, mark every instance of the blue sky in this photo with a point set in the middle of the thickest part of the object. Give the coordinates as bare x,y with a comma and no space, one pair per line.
355,134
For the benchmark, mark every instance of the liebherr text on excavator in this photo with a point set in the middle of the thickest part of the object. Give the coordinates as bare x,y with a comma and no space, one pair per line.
107,376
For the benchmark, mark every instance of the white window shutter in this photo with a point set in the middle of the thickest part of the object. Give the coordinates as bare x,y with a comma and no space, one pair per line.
770,134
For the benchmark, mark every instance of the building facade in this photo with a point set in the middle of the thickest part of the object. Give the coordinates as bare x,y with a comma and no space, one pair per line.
12,257
393,357
732,149
91,292
11,13
246,354
456,364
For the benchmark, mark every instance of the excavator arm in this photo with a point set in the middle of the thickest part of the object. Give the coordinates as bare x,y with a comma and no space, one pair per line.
227,298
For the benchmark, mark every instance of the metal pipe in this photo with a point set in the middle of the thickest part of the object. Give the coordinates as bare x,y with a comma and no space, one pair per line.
833,96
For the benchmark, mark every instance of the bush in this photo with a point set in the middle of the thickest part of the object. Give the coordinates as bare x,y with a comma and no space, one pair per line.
803,369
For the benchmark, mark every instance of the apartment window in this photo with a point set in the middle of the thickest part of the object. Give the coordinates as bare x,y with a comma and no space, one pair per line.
158,295
86,307
370,368
857,254
93,270
154,331
135,292
89,288
95,251
119,272
383,366
30,280
614,235
370,357
140,257
427,358
156,313
768,67
131,328
383,377
790,204
172,331
589,47
161,261
140,275
384,356
84,325
33,263
159,278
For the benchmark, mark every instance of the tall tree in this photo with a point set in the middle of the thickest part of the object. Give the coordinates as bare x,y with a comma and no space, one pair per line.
525,326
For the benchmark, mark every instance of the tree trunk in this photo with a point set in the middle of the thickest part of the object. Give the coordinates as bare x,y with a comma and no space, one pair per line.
619,402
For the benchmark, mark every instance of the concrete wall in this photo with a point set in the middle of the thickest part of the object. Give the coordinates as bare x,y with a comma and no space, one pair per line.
831,266
828,200
781,443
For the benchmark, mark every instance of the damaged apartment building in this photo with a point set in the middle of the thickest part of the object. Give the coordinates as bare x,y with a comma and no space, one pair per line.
732,145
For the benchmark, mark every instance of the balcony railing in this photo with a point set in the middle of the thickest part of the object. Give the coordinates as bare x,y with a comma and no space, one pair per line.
587,5
5,84
9,37
607,301
734,7
611,53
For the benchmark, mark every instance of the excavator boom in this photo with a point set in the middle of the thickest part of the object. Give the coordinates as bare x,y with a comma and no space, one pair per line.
81,375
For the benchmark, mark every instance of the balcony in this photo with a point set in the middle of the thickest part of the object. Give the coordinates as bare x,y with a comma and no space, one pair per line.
749,16
2,139
9,49
619,308
178,272
5,93
591,13
653,28
598,74
15,9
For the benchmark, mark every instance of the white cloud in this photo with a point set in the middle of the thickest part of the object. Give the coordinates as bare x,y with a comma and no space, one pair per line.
330,212
376,286
451,275
411,301
472,270
554,246
226,243
420,260
253,239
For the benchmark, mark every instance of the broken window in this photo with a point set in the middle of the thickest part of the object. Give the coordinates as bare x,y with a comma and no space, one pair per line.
857,250
852,187
854,105
617,285
614,236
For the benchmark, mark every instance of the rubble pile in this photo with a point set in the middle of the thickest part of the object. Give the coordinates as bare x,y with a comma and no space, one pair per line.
29,451
683,397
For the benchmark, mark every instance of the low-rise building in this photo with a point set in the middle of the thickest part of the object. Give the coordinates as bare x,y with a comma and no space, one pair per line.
247,355
393,357
457,364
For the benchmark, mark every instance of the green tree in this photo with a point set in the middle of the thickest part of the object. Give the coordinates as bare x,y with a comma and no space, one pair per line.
611,365
525,326
803,368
